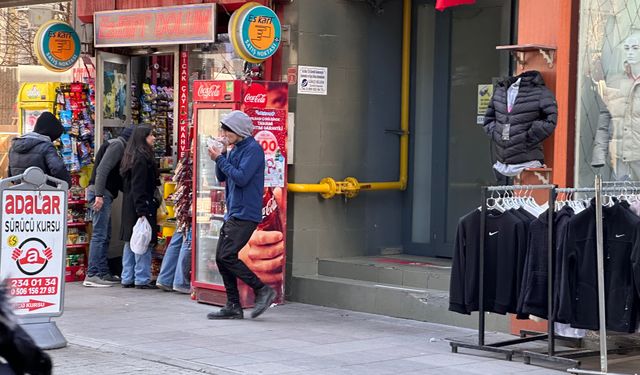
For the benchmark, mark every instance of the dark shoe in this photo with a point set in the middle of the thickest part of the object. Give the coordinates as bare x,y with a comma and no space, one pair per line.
164,287
264,298
229,311
146,286
128,285
111,279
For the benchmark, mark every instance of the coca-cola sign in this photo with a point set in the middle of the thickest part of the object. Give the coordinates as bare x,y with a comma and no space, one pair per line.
209,91
255,96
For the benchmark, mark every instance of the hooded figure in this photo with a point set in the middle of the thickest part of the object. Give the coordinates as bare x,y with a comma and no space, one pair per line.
106,170
36,149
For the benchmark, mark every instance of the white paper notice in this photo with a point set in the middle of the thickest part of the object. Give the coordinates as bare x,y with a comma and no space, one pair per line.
312,80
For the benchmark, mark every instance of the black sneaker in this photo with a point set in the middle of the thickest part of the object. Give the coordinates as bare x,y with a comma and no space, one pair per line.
264,298
146,286
113,279
128,285
229,311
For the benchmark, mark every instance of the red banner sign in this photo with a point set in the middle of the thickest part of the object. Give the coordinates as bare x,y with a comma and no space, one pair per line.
183,105
155,26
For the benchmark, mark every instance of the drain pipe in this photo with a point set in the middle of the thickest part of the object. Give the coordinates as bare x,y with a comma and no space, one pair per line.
350,187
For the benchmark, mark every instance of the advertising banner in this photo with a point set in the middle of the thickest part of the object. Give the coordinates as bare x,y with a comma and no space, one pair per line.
183,105
33,250
267,105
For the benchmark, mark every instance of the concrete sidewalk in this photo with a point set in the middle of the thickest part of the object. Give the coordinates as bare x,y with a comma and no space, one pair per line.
146,328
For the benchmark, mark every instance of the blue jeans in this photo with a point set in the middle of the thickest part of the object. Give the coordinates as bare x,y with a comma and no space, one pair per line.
172,271
136,269
184,262
101,236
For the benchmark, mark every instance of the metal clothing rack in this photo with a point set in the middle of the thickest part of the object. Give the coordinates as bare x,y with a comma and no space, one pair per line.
598,190
527,336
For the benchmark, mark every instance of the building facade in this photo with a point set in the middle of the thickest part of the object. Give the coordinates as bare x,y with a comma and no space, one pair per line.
400,71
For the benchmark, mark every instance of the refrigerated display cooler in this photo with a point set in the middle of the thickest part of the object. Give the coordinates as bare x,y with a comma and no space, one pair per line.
267,105
33,99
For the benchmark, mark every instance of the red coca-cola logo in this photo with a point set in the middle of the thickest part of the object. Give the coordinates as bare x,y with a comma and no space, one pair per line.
208,92
270,207
256,96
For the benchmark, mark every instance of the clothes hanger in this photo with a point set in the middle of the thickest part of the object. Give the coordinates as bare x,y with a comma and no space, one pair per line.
493,204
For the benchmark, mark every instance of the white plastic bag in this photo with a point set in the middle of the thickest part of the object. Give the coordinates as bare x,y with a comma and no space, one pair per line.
141,236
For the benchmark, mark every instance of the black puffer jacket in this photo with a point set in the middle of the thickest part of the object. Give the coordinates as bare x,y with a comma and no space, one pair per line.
139,185
532,119
36,150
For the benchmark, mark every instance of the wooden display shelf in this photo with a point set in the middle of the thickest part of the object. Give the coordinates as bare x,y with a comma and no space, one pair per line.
520,50
77,201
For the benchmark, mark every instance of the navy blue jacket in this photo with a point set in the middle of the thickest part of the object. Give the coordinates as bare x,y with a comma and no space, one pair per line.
36,150
243,170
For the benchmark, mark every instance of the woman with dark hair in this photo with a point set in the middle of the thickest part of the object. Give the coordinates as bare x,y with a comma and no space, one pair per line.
140,180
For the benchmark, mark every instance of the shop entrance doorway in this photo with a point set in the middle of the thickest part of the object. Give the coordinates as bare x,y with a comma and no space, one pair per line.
136,87
455,52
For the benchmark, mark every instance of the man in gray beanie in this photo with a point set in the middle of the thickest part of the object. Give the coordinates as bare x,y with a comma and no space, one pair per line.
103,189
243,171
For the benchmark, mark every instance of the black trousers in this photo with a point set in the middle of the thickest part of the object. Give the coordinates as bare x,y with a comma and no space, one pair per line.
233,236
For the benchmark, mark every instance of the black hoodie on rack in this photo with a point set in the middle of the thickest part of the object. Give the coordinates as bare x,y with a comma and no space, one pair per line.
505,248
534,293
578,301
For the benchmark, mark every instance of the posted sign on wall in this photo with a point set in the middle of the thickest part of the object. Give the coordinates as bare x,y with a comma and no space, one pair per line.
33,249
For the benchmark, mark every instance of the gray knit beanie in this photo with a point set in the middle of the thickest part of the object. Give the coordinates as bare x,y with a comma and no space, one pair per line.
239,123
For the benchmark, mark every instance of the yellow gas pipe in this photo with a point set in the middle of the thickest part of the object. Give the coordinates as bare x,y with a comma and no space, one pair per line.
350,187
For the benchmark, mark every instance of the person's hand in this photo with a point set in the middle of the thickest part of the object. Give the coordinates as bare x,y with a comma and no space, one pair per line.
224,141
264,255
97,204
213,153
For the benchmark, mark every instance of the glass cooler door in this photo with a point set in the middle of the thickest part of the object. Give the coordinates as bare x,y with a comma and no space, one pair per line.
210,200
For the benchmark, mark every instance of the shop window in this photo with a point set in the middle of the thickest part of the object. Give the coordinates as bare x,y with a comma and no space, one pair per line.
608,105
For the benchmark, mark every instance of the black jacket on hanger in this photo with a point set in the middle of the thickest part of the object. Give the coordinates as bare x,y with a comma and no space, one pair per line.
518,135
504,257
578,301
533,295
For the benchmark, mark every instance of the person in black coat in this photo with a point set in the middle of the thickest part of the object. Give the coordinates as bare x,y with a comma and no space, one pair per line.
35,149
140,181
